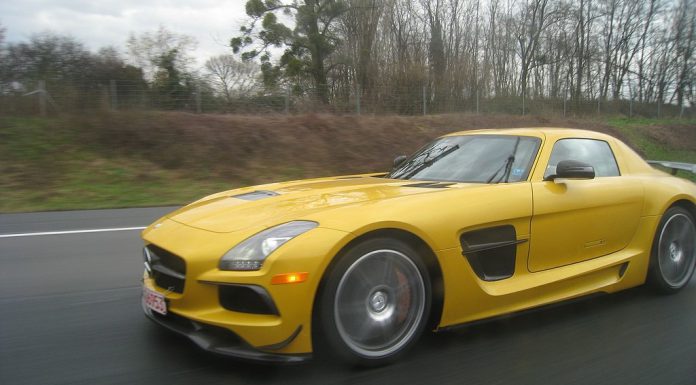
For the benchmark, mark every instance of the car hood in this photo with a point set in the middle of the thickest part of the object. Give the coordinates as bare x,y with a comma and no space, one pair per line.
268,205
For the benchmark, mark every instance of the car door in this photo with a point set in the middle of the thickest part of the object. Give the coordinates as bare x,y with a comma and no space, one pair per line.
577,220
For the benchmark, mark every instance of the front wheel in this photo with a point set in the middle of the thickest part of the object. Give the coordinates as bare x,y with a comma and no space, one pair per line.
375,302
674,251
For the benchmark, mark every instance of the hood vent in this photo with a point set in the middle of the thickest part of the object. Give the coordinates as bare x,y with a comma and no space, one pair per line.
429,185
256,195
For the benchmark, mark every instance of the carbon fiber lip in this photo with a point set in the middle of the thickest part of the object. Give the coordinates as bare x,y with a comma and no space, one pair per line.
222,341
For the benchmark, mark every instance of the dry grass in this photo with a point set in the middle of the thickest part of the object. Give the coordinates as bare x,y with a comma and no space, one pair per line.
256,148
136,159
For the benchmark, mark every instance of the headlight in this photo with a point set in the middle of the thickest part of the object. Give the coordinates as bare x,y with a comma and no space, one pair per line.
250,254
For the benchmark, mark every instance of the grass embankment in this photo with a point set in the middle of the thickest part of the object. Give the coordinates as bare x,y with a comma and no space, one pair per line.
144,159
660,139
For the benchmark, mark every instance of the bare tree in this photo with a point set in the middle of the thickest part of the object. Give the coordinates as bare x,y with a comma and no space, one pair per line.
685,45
149,48
232,78
622,21
359,25
642,45
583,49
535,17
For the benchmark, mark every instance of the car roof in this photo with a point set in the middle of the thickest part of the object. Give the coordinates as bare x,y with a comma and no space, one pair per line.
541,132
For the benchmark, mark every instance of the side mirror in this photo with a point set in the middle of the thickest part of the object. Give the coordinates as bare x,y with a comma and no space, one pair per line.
399,160
572,169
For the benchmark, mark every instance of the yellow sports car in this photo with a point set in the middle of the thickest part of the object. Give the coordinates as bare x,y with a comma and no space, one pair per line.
474,225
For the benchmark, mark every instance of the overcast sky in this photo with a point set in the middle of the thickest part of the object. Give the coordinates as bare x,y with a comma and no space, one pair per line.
99,23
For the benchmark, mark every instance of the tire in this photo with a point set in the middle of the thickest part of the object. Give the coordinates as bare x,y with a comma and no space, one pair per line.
673,256
374,303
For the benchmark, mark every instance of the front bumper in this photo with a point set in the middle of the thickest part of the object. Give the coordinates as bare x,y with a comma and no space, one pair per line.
222,341
216,319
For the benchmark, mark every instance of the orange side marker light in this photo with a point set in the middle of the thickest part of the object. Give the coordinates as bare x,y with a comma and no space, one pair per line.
280,279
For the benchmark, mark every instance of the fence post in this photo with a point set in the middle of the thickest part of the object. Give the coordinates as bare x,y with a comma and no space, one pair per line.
42,97
477,101
425,111
565,99
599,103
114,95
523,103
630,99
357,98
287,101
199,108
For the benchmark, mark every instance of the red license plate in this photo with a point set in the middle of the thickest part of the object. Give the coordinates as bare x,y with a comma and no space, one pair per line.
154,301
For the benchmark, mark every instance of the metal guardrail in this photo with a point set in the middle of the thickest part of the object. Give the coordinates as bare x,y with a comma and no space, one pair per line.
674,166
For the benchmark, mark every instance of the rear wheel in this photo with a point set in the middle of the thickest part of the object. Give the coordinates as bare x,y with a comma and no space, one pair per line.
375,302
674,251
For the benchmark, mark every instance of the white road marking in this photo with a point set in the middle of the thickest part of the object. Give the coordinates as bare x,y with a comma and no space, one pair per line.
71,232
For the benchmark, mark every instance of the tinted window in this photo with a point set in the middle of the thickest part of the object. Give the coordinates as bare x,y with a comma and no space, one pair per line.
596,153
472,158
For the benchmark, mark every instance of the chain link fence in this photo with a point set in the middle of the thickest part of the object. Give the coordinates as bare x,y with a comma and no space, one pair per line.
53,98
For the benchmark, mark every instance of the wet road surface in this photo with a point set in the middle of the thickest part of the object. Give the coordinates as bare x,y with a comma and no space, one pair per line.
70,314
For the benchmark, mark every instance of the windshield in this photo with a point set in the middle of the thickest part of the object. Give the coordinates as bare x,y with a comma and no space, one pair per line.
471,159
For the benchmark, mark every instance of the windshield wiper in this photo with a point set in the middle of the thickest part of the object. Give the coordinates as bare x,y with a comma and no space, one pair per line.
507,166
511,160
427,163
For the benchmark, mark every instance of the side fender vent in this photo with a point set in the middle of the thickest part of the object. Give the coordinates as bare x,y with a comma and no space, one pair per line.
491,252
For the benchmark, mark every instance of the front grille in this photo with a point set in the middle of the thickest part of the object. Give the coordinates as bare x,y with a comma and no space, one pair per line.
168,270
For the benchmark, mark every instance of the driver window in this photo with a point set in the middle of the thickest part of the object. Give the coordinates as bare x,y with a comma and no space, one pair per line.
596,153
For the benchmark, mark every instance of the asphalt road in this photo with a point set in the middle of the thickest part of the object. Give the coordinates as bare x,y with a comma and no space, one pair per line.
70,314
